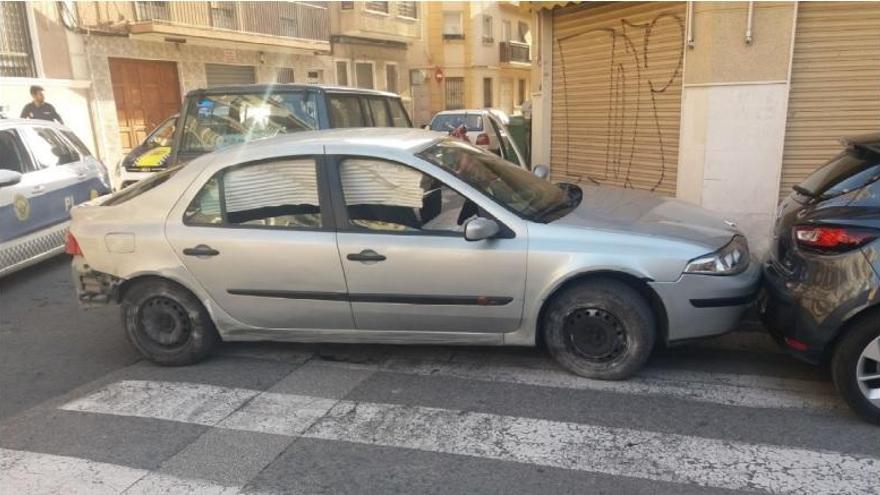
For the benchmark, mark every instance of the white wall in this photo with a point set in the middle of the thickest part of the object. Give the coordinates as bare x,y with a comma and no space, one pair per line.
70,99
730,153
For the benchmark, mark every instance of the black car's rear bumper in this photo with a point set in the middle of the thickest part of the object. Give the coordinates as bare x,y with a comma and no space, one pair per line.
805,308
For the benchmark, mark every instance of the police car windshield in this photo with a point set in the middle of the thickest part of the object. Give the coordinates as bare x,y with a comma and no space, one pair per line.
213,122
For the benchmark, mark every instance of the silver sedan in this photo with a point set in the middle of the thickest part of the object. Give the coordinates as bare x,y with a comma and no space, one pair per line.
407,237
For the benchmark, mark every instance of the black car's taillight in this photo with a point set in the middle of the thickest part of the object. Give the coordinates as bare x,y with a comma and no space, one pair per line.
831,240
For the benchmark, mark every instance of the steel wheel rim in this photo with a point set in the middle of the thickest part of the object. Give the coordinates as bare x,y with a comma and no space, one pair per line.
165,322
595,334
868,372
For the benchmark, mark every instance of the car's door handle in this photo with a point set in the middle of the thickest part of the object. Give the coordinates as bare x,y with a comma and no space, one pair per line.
38,189
201,250
366,255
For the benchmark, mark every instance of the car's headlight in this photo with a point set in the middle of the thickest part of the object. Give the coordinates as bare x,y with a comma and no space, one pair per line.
731,259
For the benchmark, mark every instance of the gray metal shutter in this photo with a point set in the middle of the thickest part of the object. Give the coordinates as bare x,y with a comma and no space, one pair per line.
835,84
617,75
221,74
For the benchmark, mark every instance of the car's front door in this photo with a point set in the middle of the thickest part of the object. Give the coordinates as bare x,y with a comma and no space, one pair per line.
406,261
259,238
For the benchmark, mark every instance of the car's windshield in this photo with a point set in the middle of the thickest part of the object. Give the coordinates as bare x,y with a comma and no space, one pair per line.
851,169
217,121
449,121
510,186
162,135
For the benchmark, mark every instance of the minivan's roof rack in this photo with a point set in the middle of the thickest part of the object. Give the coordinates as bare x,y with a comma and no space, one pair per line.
269,88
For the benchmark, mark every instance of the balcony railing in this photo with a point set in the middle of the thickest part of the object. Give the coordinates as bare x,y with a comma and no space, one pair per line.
514,51
286,19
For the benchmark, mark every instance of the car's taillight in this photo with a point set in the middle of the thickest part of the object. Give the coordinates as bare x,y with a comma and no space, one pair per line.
832,239
483,140
71,246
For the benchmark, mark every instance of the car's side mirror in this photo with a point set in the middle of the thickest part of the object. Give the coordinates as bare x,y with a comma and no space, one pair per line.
479,229
9,178
541,171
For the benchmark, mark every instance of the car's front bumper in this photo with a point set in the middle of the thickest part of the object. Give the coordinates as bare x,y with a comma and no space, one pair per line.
700,306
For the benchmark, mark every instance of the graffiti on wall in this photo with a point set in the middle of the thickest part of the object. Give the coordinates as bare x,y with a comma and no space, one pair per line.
634,91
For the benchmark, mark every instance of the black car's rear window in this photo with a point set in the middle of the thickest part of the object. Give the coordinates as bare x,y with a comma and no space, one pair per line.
850,170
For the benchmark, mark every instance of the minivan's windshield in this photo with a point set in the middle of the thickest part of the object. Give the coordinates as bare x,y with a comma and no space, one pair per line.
510,186
850,170
218,121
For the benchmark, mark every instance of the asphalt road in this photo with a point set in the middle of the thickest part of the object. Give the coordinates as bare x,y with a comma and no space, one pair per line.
80,412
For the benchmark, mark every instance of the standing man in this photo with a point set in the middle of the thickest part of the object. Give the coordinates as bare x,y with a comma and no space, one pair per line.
38,108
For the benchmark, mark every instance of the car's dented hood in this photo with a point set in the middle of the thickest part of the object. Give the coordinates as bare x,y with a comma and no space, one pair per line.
642,212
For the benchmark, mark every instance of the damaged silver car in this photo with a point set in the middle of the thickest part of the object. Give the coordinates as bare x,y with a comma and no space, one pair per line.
406,237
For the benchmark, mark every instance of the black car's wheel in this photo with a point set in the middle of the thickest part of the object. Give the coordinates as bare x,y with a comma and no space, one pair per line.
167,324
600,329
856,368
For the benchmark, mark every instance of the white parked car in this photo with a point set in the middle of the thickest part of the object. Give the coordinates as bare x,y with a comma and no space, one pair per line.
485,128
45,170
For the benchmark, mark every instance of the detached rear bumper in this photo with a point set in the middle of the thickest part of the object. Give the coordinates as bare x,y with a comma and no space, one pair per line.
93,288
707,305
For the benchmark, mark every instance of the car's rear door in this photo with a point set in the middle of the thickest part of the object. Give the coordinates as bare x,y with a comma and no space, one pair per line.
259,238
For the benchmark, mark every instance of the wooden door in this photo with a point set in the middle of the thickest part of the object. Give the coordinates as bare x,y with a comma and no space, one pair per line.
146,93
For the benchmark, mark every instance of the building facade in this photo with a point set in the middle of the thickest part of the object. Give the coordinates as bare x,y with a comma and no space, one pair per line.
370,42
472,55
723,104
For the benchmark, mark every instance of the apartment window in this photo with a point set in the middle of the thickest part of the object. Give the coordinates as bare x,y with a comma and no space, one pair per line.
16,53
487,92
223,15
342,73
409,10
522,32
284,75
452,28
391,78
346,5
522,92
488,29
505,30
363,73
315,76
147,11
454,93
381,7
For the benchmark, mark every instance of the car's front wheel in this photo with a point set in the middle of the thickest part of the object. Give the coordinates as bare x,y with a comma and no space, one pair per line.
601,329
167,323
855,368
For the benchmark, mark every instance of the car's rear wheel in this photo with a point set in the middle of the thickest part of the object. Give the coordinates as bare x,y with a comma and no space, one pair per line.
601,329
855,367
167,324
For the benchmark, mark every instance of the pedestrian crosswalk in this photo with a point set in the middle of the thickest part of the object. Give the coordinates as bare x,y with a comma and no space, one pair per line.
294,410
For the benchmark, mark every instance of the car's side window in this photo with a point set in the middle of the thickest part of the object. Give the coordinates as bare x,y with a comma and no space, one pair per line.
390,197
398,114
13,156
277,194
346,111
48,148
379,112
77,143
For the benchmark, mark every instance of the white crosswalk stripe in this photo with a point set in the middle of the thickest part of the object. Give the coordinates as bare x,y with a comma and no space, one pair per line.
609,450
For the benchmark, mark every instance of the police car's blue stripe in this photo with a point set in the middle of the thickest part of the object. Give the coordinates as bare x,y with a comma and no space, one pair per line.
46,210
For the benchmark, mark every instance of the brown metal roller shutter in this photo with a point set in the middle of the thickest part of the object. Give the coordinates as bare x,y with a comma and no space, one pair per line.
617,72
835,83
222,75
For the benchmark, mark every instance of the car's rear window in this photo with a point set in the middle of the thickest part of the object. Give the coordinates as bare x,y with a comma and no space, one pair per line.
218,121
354,110
448,122
141,187
850,170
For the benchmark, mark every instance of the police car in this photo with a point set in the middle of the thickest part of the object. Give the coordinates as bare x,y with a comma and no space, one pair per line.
44,171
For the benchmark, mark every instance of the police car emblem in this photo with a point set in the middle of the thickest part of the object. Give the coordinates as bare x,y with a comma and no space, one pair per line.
22,207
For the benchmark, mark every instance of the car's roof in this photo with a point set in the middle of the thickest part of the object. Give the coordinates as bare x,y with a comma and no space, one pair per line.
7,123
459,112
280,88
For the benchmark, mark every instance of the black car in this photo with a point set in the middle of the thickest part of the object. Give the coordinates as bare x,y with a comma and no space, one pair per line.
822,279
